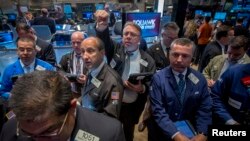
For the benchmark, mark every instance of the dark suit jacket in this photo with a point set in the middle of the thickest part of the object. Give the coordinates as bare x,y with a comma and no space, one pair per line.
66,65
212,49
102,96
46,21
66,62
157,53
99,125
166,107
116,52
47,52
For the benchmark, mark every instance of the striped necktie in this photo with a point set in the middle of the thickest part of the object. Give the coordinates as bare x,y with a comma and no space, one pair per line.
78,64
181,85
125,74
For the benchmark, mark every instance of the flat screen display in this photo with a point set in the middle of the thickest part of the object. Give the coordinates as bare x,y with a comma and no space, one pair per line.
99,6
149,22
245,17
59,27
6,37
117,14
87,15
206,14
67,8
11,16
198,12
220,16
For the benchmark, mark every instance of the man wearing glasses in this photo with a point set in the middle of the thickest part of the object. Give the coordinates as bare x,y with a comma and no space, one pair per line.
127,58
72,62
27,62
47,111
160,51
45,51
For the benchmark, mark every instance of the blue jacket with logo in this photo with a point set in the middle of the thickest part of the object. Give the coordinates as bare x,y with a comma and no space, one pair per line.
167,109
16,69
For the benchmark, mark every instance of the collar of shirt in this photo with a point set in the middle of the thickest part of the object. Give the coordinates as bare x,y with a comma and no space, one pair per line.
240,61
163,46
134,54
177,73
222,46
96,71
76,55
32,65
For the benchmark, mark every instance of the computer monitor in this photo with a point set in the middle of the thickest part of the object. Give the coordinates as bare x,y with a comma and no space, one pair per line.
66,27
148,21
87,15
11,16
6,37
99,6
219,16
59,27
206,14
67,8
245,17
198,12
117,14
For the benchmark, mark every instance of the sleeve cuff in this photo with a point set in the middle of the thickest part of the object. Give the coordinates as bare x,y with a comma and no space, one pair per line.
175,135
230,122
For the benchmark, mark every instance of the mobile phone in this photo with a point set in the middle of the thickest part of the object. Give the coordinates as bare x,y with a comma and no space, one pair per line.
72,77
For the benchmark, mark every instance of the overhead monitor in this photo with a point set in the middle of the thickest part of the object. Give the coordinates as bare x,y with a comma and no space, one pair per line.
117,14
245,17
198,12
67,8
99,6
11,16
206,14
87,15
149,22
219,16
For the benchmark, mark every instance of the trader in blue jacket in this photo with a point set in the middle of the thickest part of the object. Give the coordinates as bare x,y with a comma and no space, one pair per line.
179,93
230,95
27,62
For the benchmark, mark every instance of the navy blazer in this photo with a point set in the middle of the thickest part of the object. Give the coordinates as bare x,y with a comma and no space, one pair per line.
167,109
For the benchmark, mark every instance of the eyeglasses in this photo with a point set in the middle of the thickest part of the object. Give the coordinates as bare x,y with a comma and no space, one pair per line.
20,132
75,43
28,50
169,37
130,33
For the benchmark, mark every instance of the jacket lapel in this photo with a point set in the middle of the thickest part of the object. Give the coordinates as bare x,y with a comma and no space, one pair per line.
100,77
189,86
161,53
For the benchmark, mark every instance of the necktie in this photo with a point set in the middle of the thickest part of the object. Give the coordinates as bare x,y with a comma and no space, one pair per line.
126,70
78,64
89,79
181,86
167,50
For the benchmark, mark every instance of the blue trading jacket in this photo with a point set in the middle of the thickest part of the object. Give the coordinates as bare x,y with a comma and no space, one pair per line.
16,69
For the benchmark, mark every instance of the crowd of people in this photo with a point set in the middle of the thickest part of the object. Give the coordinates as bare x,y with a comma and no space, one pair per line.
88,94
